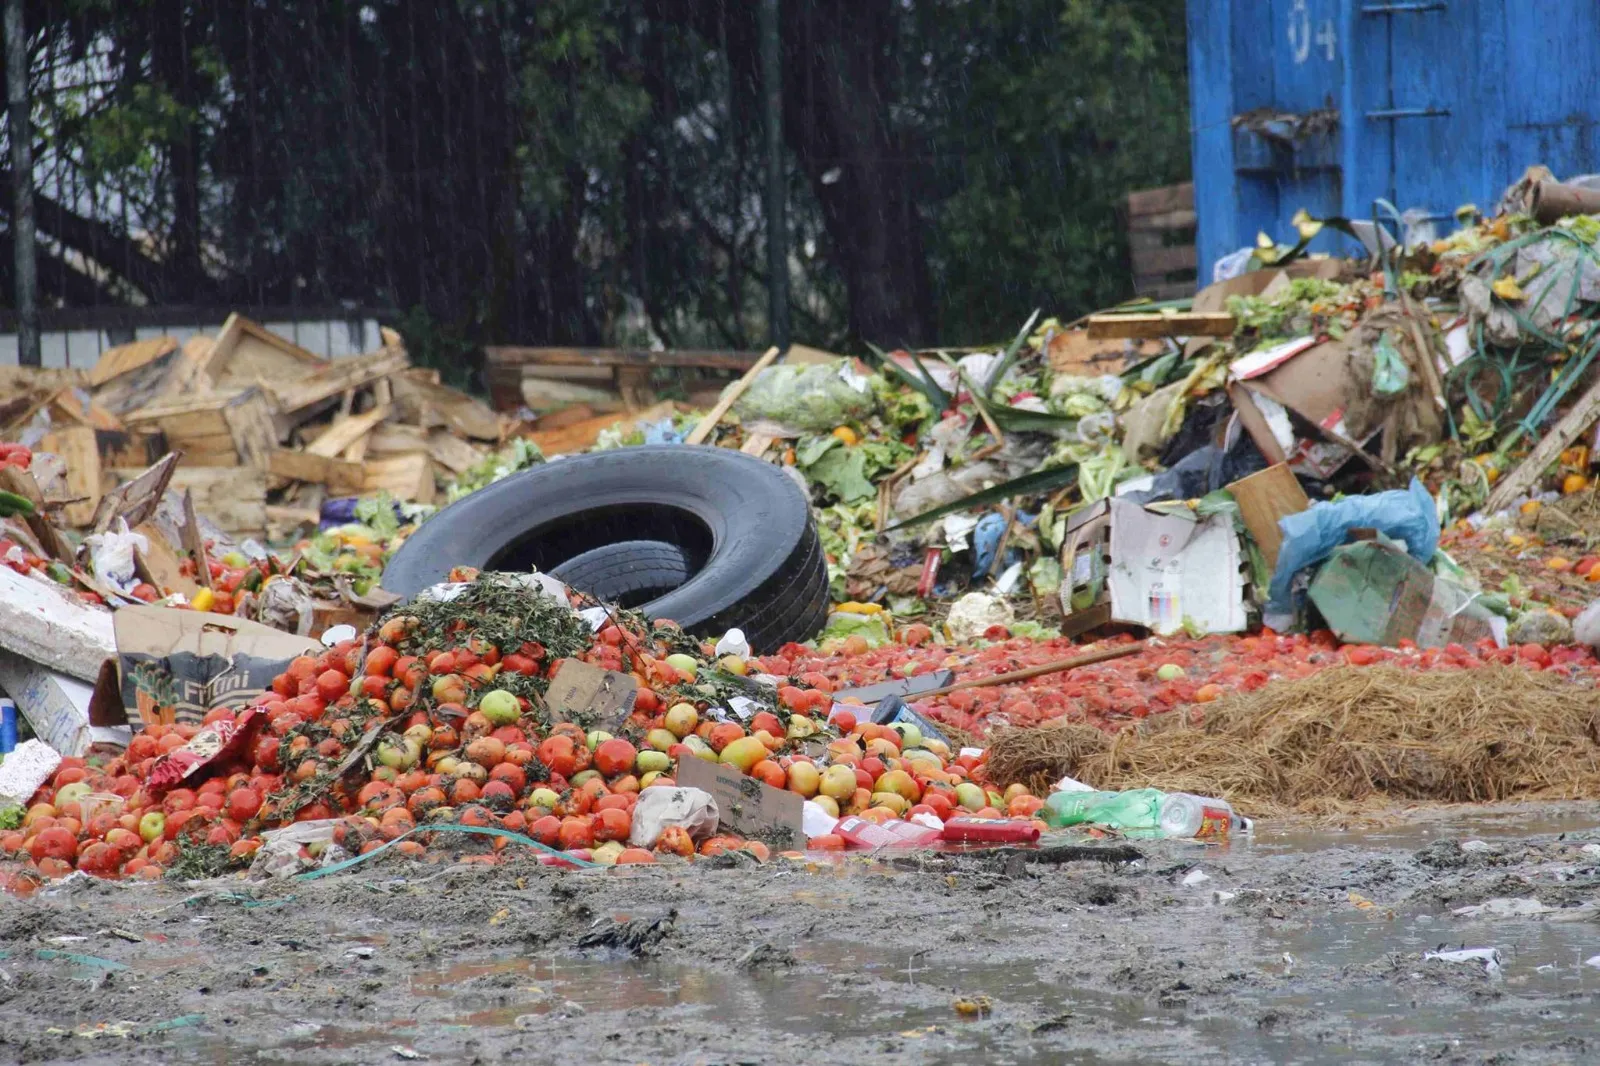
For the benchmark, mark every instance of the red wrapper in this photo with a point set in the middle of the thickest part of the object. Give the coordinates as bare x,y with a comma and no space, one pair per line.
211,745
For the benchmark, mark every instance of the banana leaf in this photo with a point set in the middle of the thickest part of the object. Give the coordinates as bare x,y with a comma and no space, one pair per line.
1019,420
1010,355
925,384
1040,481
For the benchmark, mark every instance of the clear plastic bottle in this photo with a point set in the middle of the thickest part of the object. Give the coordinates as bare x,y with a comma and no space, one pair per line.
1138,808
1187,816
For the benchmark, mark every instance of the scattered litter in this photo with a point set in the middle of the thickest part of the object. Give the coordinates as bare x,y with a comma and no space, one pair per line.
1501,907
1195,877
1490,957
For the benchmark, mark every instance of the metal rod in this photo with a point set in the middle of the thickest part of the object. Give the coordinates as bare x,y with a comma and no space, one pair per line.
777,223
1404,8
1116,651
23,237
1411,112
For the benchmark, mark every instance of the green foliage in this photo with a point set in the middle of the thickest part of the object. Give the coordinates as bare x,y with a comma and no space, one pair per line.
590,171
1044,115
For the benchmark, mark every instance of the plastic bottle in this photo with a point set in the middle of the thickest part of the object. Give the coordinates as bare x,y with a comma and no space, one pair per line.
865,834
1185,816
1070,808
1138,808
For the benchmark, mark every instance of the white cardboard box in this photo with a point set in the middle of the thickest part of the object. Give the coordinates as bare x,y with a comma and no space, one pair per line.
1154,569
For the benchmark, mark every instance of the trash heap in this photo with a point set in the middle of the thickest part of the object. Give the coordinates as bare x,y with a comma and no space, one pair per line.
501,704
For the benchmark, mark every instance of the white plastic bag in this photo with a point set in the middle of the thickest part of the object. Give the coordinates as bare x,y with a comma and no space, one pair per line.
111,555
692,808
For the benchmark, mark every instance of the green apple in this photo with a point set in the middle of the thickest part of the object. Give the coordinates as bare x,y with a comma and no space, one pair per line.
684,664
152,825
500,707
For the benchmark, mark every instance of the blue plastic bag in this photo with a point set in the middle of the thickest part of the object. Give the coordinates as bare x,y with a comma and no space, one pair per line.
1309,537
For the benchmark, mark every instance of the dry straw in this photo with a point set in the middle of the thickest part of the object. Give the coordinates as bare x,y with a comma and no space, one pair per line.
1346,737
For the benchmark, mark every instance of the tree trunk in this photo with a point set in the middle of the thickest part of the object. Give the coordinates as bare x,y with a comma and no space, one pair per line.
836,119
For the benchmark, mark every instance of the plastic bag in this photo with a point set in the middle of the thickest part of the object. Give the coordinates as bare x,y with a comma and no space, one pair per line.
111,555
692,808
1390,375
1310,536
813,399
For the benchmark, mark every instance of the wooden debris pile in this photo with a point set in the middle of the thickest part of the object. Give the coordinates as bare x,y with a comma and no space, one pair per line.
267,429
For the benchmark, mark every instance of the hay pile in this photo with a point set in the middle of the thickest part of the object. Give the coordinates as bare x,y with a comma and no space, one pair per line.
1344,738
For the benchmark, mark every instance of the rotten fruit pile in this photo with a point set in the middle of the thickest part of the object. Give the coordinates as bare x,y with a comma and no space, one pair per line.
438,715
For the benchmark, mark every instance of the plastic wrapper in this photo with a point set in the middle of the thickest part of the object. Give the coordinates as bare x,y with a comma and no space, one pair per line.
812,399
111,555
1310,536
694,809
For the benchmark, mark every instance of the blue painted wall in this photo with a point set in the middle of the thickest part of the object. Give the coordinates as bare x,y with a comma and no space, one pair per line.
1438,103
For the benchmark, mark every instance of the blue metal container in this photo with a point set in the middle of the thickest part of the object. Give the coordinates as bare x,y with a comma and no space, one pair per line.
1429,104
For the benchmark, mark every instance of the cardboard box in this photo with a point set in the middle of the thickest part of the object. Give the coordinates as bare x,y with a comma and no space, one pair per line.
1314,379
747,806
176,665
1373,592
1136,566
56,706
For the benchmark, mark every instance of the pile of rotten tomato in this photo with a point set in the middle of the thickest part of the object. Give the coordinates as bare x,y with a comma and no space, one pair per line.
1167,674
438,716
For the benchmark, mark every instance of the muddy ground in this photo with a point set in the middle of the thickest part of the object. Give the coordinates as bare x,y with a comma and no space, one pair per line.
1304,946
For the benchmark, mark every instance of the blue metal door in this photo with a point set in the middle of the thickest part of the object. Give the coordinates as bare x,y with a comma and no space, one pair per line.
1288,68
1422,126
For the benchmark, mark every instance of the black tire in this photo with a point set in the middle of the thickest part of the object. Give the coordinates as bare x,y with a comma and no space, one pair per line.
743,527
630,573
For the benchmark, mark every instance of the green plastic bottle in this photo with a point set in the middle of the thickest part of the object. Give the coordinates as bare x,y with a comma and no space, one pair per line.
1138,808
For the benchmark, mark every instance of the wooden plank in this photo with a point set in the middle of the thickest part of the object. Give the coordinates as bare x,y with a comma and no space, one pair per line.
392,438
15,479
505,355
336,474
1166,198
451,452
251,428
137,498
235,498
1164,260
114,362
1526,474
293,398
155,383
577,438
758,444
161,563
1263,498
715,415
75,405
567,416
1147,326
345,431
405,477
246,352
127,447
430,404
77,448
1183,218
192,542
288,523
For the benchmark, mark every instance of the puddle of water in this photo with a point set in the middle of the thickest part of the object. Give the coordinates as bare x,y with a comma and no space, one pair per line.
1497,826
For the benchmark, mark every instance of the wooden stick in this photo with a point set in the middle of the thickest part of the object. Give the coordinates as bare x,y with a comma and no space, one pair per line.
715,415
1087,659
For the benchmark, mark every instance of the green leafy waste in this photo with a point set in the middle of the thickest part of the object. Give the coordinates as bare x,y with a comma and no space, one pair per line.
846,472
